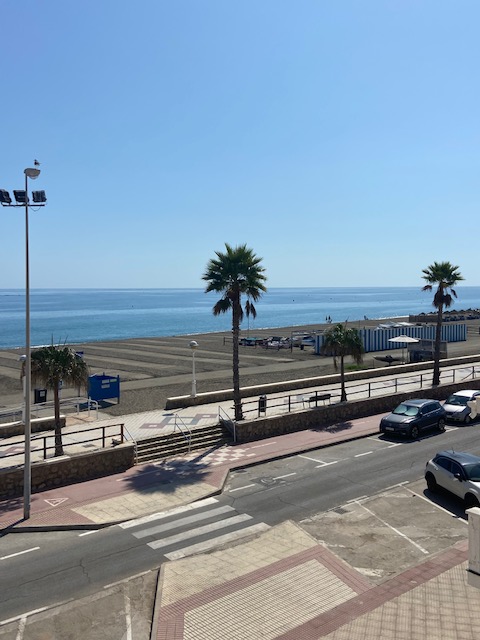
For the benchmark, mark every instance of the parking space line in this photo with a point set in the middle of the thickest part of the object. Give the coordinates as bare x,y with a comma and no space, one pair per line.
308,458
395,444
359,455
326,464
452,515
393,528
287,475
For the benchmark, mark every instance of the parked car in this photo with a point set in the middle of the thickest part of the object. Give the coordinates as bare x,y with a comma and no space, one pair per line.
411,417
458,473
456,406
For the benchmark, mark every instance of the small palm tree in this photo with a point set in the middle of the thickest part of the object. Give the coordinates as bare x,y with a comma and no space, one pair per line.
235,272
340,341
52,365
445,276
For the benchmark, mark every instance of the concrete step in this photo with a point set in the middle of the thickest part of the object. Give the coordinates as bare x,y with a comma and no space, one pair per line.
176,443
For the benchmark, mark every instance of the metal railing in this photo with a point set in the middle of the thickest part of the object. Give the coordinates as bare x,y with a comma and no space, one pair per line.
230,423
184,430
355,389
132,439
40,442
75,402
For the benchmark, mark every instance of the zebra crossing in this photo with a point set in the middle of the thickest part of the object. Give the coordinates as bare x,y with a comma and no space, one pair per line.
194,528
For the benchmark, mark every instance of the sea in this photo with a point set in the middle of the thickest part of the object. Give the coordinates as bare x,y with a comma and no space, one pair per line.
75,316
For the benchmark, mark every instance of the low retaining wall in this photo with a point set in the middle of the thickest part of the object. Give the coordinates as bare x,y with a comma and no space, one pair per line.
58,472
10,429
339,414
289,385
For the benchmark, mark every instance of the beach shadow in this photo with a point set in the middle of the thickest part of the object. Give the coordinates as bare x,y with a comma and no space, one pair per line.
167,475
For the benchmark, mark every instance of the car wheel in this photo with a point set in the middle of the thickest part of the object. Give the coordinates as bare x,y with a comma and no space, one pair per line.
441,425
468,420
471,501
431,482
414,433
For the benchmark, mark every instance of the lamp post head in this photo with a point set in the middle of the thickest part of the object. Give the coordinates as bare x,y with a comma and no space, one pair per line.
193,344
32,173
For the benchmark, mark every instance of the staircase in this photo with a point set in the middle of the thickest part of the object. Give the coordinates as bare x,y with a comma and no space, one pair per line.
177,443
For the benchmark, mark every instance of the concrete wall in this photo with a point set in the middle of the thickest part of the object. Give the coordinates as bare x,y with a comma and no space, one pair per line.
11,429
58,472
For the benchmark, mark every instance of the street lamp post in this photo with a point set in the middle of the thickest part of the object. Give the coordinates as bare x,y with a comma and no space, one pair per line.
193,346
39,199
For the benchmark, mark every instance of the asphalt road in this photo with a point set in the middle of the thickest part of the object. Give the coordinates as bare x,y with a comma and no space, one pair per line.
38,570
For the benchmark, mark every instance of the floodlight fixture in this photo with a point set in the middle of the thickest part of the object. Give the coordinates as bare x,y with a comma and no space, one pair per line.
39,196
20,196
5,198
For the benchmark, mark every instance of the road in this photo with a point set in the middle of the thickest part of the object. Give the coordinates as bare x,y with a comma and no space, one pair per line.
39,570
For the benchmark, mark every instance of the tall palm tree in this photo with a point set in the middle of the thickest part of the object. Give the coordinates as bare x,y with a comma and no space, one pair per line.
51,366
445,276
235,272
340,341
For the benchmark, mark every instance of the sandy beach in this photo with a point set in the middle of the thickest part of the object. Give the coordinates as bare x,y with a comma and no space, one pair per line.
154,369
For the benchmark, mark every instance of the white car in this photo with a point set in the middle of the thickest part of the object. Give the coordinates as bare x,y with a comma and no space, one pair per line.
456,407
458,473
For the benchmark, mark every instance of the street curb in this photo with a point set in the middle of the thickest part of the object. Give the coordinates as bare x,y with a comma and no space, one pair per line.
13,528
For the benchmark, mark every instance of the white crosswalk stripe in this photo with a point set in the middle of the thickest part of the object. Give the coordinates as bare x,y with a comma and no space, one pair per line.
186,538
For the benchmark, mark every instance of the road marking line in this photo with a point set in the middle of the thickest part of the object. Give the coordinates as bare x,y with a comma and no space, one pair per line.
359,455
326,464
419,495
19,553
307,458
187,520
193,533
420,548
23,615
247,486
88,533
395,444
287,475
128,618
165,514
210,544
21,628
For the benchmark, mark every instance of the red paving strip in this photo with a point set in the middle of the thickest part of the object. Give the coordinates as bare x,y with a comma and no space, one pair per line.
171,616
377,596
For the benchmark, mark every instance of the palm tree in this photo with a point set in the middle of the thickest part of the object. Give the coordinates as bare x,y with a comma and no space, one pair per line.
340,341
51,366
235,272
445,276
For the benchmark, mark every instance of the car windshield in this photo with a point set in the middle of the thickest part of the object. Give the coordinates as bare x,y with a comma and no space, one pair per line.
473,471
406,410
461,401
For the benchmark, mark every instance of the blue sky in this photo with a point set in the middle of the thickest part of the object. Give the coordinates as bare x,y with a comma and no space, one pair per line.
339,140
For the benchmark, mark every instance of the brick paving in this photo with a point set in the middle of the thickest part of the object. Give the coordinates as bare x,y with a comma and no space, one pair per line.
279,584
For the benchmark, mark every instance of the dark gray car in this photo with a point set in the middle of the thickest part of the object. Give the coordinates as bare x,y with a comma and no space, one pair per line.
411,417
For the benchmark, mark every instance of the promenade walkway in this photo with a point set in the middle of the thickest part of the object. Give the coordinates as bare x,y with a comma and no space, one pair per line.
279,583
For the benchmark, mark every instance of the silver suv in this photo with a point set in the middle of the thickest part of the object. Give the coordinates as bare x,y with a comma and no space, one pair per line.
458,473
456,406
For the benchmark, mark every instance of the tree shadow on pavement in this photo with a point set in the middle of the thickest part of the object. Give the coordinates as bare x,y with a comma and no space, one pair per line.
337,427
167,475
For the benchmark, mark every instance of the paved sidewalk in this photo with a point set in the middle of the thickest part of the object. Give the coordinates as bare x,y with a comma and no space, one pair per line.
280,584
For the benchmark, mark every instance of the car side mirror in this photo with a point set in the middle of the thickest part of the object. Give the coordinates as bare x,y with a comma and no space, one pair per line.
458,476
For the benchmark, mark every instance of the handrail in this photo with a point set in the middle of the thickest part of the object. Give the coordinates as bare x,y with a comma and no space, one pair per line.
228,421
135,447
41,437
187,434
